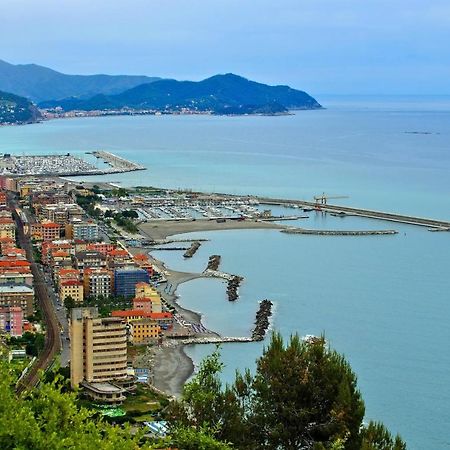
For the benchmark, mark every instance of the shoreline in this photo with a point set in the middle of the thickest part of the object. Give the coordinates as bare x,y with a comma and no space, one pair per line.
170,365
160,230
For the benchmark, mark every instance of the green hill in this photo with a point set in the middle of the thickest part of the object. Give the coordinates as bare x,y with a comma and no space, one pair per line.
17,110
40,83
221,94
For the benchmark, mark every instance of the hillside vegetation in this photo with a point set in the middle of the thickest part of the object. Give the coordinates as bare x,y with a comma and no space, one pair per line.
221,94
17,110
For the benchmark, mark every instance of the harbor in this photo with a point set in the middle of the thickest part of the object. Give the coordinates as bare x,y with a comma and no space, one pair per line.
63,165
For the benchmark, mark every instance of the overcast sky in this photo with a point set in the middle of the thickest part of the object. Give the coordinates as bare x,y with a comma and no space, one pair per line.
322,46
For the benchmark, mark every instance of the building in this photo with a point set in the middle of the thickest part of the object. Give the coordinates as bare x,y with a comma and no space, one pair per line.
98,354
61,213
11,320
98,282
16,276
147,298
3,200
126,278
102,247
51,231
164,319
73,289
85,231
18,295
46,231
144,330
90,259
143,261
7,228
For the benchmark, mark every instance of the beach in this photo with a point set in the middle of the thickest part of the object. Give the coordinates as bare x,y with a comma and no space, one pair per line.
159,230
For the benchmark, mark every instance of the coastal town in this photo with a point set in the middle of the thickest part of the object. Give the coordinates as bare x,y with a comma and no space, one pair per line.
81,290
77,281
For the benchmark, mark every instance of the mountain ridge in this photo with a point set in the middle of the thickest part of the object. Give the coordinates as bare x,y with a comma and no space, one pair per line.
216,94
40,83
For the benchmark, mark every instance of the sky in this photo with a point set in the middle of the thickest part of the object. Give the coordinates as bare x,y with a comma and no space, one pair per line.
321,46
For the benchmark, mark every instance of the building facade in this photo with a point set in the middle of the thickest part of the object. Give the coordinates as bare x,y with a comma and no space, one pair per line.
126,278
98,347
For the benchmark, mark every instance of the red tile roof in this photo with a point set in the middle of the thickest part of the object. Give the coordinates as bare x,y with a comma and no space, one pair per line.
71,283
138,313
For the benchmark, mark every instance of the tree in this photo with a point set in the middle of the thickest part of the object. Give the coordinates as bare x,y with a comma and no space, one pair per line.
48,419
375,436
303,395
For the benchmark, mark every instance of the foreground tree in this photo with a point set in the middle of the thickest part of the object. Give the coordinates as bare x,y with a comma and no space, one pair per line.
302,396
50,419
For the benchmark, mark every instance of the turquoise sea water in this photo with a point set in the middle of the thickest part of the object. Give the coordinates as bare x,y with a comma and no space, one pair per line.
382,301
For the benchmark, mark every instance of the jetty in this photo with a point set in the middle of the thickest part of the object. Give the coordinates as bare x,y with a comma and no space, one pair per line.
190,252
352,211
218,274
215,340
262,320
117,163
232,288
213,263
339,232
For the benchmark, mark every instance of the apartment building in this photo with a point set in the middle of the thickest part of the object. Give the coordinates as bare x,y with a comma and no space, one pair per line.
126,278
98,282
17,295
85,231
98,354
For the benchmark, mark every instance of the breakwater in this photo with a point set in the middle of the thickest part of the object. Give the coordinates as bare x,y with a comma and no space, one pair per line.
190,252
232,288
215,340
370,214
170,248
213,262
262,320
117,163
338,232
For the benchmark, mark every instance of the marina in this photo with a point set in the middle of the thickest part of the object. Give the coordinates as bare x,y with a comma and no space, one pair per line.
62,165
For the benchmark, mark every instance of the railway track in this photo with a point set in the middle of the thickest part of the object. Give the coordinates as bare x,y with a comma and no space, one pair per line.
52,344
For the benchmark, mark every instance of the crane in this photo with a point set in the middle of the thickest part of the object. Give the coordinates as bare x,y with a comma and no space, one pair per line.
322,199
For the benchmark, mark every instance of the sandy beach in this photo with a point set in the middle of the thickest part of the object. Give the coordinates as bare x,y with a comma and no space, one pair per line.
161,229
169,364
171,368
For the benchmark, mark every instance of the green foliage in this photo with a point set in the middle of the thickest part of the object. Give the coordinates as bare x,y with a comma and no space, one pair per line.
15,109
106,304
377,437
49,419
303,395
125,223
218,93
192,439
33,342
88,204
130,214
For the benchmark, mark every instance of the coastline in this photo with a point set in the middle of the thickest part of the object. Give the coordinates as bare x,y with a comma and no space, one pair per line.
170,365
160,230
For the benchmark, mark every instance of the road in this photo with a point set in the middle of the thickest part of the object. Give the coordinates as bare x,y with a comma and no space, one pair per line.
52,344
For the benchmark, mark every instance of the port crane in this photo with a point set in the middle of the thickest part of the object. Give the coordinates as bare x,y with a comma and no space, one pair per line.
322,199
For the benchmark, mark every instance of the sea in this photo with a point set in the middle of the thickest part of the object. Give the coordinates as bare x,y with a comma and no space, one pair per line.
382,301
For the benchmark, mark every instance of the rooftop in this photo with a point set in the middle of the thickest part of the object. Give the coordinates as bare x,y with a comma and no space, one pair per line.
16,288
